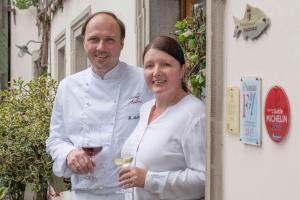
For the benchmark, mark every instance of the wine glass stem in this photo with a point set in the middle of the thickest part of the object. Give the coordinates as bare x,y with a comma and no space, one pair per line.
90,174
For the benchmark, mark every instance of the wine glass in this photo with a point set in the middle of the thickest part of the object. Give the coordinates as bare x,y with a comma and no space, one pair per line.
92,145
124,161
91,151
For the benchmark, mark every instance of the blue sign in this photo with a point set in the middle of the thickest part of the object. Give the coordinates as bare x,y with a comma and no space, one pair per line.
250,110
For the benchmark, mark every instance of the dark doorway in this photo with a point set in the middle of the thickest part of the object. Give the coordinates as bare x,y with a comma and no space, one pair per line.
4,43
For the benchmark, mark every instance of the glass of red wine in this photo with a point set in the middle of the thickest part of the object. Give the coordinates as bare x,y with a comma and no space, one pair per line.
91,151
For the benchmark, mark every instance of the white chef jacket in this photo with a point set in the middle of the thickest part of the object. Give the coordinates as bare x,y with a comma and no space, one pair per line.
96,111
172,149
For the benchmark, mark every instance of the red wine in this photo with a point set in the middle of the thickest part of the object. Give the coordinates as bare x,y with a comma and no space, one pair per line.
92,151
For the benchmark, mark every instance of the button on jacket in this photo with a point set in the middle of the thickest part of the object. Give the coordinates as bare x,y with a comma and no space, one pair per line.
89,110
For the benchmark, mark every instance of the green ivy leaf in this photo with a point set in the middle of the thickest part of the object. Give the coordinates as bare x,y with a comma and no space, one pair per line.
180,25
194,82
192,43
181,38
200,80
194,58
188,34
3,192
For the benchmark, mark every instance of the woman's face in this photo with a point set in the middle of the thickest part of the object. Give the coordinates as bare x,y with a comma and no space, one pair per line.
163,73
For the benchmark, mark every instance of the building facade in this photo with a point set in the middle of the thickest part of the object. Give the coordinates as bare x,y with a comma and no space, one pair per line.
238,170
234,170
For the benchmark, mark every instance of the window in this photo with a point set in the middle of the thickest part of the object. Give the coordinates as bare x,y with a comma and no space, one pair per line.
154,18
60,58
189,7
199,5
79,53
78,57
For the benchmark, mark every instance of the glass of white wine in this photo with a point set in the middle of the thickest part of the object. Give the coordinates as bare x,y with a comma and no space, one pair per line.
124,162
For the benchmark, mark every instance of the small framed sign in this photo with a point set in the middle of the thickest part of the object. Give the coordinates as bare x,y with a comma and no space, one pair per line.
250,111
233,110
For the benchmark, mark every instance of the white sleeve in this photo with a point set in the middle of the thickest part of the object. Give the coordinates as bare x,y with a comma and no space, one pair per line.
58,144
190,182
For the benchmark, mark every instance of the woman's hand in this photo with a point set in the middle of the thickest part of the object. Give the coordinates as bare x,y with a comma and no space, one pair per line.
132,177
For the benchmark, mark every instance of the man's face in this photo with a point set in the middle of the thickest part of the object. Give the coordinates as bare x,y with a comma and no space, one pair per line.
103,43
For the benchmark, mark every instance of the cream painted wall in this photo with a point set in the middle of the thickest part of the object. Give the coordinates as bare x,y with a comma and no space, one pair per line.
24,30
125,10
272,171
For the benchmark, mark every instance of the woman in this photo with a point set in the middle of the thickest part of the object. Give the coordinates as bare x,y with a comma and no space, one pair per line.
168,144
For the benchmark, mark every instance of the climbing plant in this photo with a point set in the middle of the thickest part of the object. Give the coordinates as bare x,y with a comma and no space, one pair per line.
191,34
24,4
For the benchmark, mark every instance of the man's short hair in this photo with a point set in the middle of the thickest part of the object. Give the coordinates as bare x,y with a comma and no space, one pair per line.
119,22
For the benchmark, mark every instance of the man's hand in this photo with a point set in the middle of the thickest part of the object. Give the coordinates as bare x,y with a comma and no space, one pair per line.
79,162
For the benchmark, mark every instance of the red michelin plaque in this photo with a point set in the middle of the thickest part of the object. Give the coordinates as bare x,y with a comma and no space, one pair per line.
277,114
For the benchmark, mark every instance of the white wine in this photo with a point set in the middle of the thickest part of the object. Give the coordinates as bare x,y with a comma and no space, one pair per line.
124,162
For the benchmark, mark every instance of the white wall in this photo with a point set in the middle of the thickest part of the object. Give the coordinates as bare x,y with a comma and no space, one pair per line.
272,171
125,10
24,30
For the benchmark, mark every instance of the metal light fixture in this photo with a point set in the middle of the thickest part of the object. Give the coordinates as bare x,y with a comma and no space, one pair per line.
23,49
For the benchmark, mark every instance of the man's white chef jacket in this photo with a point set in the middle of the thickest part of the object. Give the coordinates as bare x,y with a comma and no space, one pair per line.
96,111
172,149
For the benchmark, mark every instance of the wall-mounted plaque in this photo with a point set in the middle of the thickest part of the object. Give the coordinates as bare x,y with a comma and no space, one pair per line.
277,114
252,25
250,111
233,110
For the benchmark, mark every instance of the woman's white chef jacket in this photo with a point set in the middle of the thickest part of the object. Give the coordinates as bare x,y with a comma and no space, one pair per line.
96,111
172,148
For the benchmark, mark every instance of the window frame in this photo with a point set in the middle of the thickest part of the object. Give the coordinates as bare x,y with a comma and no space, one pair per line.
76,26
60,44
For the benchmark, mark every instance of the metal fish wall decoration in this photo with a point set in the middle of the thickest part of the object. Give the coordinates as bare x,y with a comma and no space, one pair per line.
252,25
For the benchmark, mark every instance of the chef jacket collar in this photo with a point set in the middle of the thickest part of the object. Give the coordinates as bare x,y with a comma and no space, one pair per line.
114,73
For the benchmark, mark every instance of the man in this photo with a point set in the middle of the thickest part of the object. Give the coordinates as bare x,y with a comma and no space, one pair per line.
96,107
